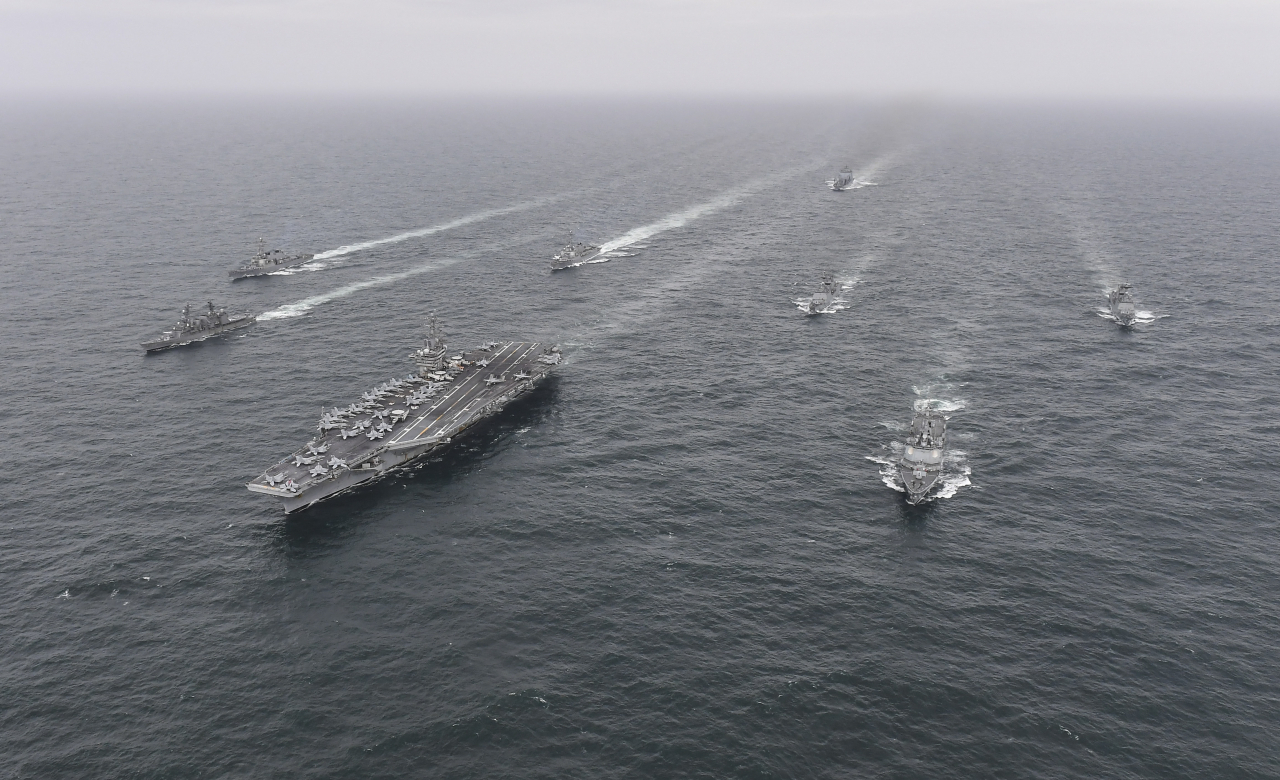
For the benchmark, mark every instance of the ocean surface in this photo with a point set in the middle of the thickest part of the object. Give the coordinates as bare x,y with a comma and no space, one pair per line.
680,557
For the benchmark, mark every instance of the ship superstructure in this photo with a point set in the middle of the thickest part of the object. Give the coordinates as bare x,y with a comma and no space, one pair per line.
403,420
921,465
266,262
843,180
574,253
198,327
1120,300
823,301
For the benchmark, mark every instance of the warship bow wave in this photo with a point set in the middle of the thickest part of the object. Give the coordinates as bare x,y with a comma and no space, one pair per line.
1121,302
402,420
921,464
843,181
823,301
268,262
574,254
191,329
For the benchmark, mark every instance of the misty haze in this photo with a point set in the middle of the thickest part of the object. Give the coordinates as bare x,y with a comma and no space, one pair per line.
646,389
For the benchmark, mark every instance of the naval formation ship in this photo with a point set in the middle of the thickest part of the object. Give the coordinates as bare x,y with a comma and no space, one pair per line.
402,420
1121,302
192,328
266,262
823,301
921,464
574,254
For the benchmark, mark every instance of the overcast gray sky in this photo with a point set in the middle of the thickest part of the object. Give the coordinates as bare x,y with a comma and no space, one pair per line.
1159,49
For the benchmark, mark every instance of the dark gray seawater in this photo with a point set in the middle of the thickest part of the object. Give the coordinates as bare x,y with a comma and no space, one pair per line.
679,558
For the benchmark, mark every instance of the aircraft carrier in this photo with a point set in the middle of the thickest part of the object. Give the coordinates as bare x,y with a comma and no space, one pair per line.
403,420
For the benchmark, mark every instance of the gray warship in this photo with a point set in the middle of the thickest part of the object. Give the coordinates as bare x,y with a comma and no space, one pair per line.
921,464
403,420
193,328
843,181
823,301
266,262
574,254
1121,302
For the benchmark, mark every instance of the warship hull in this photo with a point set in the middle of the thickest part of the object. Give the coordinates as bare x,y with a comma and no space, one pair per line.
1124,314
558,264
917,483
183,339
247,271
921,466
1120,301
420,417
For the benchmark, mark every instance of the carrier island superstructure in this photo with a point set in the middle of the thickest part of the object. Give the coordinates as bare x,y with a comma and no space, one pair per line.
403,420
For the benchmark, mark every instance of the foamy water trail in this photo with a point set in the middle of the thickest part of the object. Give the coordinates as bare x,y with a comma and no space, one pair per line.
849,277
305,305
1097,260
679,219
469,219
301,307
873,168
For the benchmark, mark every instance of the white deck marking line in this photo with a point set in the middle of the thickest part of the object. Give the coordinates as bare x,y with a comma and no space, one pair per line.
460,393
504,363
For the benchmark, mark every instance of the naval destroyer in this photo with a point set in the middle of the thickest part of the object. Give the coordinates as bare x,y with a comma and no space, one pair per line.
403,420
574,254
823,301
921,464
1121,302
267,262
843,181
198,327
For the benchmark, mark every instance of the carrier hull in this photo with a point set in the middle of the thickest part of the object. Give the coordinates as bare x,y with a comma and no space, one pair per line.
416,418
559,264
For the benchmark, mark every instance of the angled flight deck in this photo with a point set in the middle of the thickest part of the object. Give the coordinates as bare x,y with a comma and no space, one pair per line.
471,393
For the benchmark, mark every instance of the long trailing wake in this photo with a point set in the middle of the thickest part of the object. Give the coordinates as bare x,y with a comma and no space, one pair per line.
681,218
630,238
470,219
874,167
301,307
